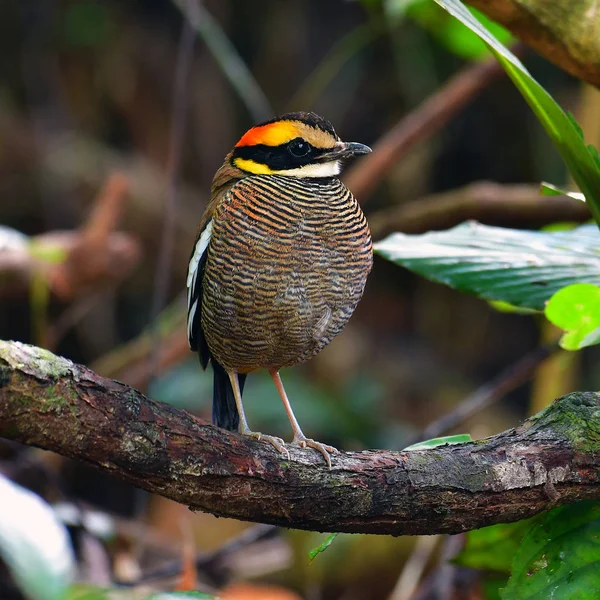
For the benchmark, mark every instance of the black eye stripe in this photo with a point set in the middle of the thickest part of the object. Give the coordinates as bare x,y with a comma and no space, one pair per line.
277,158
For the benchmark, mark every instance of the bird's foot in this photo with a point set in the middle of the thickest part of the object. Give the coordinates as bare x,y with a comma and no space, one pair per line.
324,449
276,442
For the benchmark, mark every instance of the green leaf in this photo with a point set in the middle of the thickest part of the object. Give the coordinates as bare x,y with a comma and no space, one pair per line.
576,309
547,189
524,268
594,153
576,125
34,545
181,595
449,32
559,557
493,548
315,551
566,136
460,438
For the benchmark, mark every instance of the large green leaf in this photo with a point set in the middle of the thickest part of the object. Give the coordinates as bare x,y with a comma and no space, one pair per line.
33,544
524,268
576,309
581,160
559,557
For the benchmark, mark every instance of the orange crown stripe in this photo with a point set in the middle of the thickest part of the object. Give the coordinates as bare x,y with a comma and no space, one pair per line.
272,134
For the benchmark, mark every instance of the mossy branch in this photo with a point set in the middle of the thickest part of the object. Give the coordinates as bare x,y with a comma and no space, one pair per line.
565,32
552,458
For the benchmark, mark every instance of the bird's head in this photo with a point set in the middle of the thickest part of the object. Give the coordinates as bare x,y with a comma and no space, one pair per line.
300,144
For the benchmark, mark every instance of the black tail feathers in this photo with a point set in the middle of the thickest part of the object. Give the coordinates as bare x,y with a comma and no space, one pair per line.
224,412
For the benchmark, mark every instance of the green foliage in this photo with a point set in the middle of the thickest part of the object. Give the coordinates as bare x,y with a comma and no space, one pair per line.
33,544
523,268
559,557
447,31
581,160
576,309
315,551
554,555
452,34
492,548
459,438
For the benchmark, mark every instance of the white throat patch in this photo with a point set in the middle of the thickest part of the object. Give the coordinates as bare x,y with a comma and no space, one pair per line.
326,169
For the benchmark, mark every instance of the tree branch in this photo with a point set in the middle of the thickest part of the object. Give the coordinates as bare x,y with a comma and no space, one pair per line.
504,205
564,31
49,402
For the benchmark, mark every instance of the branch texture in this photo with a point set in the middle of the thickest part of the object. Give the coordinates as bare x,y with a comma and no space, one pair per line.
566,32
552,458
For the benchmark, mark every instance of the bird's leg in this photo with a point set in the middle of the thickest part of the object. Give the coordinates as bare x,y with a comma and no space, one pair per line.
276,442
299,438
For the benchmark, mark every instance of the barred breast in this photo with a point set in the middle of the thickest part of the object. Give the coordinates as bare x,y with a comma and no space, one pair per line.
286,265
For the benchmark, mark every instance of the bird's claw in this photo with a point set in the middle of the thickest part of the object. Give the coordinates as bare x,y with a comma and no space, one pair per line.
276,442
324,449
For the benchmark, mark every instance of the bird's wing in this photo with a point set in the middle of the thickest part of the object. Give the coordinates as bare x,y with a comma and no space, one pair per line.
225,178
195,278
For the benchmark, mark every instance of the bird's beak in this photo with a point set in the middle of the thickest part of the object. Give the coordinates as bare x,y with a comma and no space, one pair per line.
344,150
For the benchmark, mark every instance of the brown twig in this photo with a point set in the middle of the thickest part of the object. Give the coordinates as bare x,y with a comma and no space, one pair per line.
89,259
484,201
97,255
418,125
52,403
74,160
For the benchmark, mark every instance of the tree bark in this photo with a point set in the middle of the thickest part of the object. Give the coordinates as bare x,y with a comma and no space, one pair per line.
566,32
553,458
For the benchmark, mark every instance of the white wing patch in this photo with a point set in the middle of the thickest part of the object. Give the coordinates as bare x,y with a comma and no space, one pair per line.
201,246
193,285
190,321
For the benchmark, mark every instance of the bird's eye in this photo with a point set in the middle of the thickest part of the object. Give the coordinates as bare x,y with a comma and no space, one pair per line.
299,147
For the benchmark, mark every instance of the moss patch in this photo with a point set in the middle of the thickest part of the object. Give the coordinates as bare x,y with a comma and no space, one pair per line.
576,417
34,361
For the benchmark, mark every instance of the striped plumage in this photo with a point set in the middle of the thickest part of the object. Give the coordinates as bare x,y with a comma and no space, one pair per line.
280,263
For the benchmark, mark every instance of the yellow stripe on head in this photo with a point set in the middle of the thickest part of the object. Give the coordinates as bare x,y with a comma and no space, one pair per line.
251,166
271,134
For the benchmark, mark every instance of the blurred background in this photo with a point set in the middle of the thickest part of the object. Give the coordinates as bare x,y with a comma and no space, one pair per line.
114,116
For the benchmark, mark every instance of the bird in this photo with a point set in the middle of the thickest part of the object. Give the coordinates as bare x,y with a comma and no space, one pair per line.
279,264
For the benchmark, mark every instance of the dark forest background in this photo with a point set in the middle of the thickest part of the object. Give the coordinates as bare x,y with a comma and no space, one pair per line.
94,173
